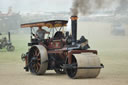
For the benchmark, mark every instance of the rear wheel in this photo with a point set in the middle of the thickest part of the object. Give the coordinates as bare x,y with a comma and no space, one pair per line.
10,48
38,60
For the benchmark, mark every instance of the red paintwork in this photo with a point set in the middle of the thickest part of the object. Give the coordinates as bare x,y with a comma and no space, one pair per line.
26,60
70,53
55,44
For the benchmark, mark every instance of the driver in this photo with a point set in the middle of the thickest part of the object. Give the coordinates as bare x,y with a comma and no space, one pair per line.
40,33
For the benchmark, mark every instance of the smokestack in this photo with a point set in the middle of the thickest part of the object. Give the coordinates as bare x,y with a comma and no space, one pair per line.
9,40
74,29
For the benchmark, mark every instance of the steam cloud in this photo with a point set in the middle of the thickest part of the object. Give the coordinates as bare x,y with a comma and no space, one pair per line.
88,6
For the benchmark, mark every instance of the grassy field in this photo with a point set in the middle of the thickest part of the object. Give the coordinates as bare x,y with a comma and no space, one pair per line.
20,43
113,53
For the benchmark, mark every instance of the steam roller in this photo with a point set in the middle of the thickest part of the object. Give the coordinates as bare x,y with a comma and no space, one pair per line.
63,52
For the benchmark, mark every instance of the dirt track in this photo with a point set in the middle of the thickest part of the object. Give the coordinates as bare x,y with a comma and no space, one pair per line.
13,74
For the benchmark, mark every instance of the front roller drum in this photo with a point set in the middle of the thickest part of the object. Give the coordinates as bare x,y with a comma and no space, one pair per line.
84,66
38,59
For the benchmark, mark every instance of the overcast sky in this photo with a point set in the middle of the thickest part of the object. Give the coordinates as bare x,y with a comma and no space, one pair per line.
36,5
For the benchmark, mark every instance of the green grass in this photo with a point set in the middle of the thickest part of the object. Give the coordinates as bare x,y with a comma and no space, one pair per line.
20,43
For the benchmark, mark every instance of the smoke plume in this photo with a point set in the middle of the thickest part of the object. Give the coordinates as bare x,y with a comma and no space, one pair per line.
88,6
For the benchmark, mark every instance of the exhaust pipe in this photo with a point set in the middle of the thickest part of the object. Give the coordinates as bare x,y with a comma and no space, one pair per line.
9,38
74,29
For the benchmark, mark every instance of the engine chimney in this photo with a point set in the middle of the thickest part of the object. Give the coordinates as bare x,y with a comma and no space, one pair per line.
9,38
74,29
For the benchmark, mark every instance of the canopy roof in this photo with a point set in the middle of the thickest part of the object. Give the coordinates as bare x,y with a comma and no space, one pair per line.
49,24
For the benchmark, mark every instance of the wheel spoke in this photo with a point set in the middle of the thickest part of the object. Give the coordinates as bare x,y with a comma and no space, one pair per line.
38,54
33,67
38,64
38,58
37,68
33,53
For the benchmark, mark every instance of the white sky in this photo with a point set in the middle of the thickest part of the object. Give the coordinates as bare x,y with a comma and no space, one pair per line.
36,5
